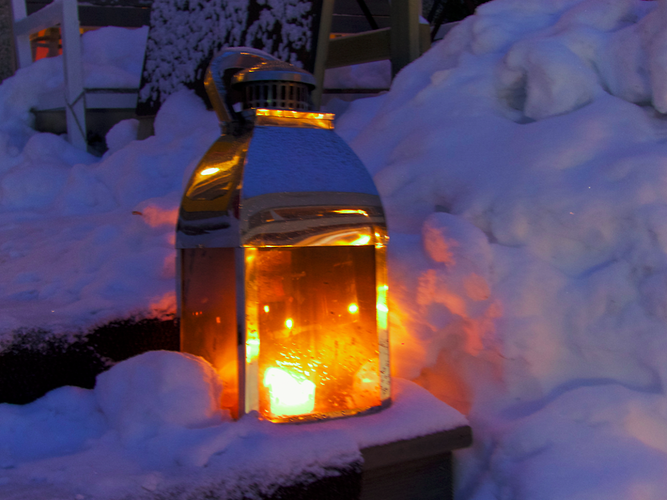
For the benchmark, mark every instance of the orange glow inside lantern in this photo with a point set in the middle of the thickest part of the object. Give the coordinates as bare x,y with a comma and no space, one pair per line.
315,328
312,323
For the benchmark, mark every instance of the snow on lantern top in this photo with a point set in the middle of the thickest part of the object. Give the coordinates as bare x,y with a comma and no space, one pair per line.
282,241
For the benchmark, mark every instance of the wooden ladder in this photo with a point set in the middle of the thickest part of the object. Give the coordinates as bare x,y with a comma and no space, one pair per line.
403,42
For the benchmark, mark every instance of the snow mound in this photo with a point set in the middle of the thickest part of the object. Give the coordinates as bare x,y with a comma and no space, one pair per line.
121,134
611,438
88,240
521,163
156,389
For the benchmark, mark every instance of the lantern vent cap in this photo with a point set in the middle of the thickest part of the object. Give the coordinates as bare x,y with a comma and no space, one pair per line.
275,85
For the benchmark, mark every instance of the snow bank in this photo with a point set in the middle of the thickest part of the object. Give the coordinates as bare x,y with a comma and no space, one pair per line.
152,426
521,162
88,240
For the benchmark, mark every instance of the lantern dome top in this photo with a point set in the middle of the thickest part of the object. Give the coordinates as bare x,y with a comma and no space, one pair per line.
275,71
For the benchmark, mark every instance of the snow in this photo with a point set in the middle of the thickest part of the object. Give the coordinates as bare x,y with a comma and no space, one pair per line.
85,239
521,162
373,75
152,424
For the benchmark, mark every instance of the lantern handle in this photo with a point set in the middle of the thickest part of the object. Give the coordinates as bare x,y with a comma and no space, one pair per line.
224,65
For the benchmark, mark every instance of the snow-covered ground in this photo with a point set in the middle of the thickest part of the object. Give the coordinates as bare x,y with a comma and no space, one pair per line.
523,166
152,428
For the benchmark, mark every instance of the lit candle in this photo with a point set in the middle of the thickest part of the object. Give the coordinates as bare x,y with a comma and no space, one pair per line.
289,394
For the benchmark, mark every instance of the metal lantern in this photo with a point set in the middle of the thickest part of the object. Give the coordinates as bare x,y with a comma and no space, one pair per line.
282,252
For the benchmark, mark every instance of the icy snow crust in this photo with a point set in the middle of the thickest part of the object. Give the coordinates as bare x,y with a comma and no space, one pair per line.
522,162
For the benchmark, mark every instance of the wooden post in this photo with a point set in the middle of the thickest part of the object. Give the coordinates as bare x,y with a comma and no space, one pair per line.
75,108
404,33
7,54
322,50
23,51
402,43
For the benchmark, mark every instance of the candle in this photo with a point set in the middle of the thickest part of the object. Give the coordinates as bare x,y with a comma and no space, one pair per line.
289,394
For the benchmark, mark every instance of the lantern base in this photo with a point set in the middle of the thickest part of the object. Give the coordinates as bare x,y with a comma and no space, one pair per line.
320,417
405,452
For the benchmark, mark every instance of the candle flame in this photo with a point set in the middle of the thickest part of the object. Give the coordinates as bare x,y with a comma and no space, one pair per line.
353,308
289,394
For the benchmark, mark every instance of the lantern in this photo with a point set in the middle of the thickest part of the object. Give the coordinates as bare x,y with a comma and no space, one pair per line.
282,252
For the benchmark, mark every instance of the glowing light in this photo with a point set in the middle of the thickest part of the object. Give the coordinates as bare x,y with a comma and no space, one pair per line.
362,240
350,211
353,308
285,113
289,323
266,309
251,350
381,306
366,383
290,394
209,171
367,378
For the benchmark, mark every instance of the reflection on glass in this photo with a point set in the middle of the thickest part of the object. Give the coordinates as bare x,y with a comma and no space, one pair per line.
318,342
208,314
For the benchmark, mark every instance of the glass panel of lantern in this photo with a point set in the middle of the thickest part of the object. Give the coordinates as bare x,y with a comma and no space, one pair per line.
282,238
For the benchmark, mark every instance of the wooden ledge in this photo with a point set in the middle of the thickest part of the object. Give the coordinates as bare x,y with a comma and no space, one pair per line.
414,469
431,445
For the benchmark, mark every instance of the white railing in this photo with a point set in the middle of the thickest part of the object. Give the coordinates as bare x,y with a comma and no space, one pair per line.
66,14
75,97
